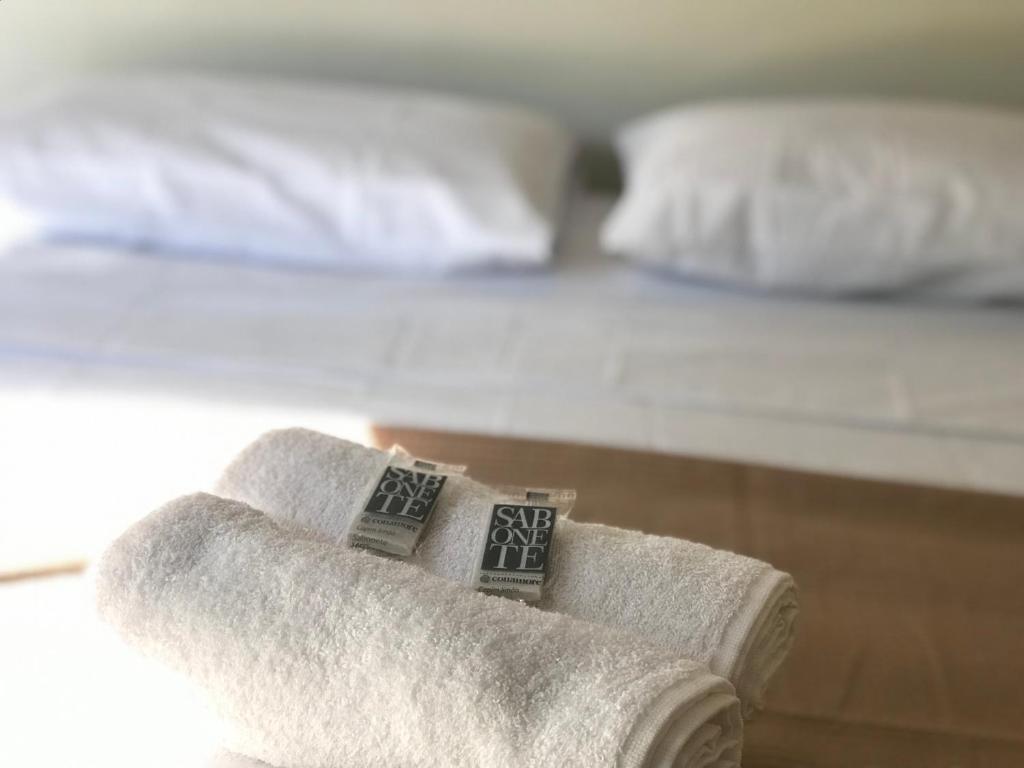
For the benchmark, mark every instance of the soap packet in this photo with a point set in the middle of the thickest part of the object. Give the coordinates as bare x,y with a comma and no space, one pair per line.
399,505
516,546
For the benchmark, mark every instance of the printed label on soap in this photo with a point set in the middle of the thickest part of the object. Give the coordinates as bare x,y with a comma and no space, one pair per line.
518,542
399,506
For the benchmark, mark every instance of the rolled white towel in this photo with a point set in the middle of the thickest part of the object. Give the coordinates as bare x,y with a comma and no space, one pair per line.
319,657
733,613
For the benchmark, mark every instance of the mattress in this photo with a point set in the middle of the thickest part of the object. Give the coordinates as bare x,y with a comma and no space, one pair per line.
126,377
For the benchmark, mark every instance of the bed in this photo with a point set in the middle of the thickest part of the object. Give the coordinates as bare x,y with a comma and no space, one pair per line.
872,448
132,377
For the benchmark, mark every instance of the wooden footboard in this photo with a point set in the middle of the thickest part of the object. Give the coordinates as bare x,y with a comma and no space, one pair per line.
910,649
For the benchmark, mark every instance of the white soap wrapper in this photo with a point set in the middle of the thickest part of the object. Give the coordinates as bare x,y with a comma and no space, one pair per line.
518,540
400,504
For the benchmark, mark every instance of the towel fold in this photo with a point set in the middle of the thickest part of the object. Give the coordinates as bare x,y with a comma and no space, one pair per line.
734,613
318,656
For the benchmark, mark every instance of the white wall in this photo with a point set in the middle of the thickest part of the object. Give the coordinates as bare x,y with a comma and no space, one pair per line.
595,61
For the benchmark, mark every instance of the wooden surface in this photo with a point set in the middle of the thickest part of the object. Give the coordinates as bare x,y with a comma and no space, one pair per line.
910,648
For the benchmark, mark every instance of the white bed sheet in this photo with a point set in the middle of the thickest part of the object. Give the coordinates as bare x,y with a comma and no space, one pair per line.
125,378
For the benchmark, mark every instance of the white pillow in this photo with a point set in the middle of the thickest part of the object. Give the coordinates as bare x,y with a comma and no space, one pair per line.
828,196
285,173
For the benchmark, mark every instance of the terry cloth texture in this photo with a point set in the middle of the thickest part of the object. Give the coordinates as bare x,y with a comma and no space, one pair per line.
317,656
733,613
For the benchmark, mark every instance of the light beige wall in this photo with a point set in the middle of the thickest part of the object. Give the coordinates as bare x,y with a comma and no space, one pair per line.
596,62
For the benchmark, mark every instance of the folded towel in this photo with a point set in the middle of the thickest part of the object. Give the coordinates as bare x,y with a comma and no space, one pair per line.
320,657
731,612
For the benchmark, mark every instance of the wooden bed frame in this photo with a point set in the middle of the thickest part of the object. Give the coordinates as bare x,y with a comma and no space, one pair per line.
910,649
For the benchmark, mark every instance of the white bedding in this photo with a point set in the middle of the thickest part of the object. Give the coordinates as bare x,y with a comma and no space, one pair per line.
125,378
